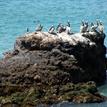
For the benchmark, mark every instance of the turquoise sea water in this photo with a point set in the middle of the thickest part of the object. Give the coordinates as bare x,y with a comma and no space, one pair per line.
17,15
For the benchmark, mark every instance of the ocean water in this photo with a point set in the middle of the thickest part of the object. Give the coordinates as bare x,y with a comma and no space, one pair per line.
18,15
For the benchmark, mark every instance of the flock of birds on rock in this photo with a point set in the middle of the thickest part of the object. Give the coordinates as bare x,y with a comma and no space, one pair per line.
59,29
84,28
97,28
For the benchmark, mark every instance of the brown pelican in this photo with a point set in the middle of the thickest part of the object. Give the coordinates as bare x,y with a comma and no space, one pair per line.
93,27
52,30
68,24
86,27
82,27
27,30
58,29
39,28
68,28
101,27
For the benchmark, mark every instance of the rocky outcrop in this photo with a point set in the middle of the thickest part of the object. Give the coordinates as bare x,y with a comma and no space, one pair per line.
29,96
54,65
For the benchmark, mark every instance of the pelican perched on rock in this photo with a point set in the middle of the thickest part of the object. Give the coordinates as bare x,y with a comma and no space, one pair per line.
68,28
52,30
68,23
59,28
93,27
82,27
97,21
27,30
101,27
39,28
86,27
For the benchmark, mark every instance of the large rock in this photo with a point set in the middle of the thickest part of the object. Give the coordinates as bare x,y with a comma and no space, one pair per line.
42,59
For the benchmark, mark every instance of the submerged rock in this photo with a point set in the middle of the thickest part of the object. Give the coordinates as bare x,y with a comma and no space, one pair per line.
52,68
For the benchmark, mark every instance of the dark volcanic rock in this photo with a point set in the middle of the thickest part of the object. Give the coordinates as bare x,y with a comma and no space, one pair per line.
58,60
54,61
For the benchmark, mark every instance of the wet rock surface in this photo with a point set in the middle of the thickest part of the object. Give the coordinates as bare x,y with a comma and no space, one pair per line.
47,68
